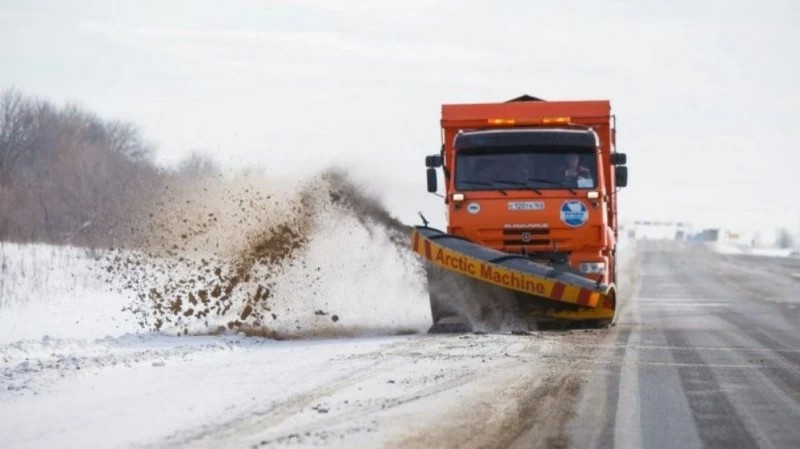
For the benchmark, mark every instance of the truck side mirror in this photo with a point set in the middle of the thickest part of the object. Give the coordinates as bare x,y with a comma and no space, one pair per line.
621,176
433,161
619,159
432,184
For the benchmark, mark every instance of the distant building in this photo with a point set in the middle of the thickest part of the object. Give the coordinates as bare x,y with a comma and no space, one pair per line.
719,235
657,230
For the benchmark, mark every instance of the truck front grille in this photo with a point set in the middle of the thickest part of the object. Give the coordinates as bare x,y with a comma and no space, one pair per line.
526,237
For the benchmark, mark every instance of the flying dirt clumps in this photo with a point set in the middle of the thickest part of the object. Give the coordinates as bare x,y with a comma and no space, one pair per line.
367,210
208,255
213,256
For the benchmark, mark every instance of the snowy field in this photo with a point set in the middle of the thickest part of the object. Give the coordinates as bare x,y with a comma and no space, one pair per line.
56,292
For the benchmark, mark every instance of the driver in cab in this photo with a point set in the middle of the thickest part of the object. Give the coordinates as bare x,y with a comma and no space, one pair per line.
575,174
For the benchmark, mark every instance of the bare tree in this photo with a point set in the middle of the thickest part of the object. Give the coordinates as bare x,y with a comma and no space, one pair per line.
16,128
198,164
66,175
126,139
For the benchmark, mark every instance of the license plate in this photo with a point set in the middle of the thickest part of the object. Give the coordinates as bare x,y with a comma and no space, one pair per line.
526,205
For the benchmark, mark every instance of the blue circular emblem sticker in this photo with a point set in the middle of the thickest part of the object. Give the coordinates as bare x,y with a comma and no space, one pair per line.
574,213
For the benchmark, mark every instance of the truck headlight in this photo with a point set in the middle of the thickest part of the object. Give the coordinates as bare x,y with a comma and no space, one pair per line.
592,267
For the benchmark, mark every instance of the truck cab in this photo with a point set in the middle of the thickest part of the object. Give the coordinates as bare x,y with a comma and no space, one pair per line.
534,178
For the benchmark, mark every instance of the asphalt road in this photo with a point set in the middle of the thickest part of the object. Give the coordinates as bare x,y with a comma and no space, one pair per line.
706,354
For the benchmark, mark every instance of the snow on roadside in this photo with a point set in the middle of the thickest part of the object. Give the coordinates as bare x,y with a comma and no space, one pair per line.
31,366
300,393
57,291
141,389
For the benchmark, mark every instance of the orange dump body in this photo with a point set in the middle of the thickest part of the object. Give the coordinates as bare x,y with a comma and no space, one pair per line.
542,228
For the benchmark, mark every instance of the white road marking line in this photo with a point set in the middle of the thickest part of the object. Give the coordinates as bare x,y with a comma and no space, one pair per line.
627,425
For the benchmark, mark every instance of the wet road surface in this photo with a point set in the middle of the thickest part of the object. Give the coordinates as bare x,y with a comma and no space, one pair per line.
705,354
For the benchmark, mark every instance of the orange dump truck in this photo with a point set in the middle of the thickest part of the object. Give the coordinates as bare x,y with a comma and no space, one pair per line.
530,188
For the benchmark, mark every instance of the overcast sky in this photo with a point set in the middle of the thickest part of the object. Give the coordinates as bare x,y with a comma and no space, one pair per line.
705,92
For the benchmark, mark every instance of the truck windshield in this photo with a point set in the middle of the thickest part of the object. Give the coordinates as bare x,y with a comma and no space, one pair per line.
525,169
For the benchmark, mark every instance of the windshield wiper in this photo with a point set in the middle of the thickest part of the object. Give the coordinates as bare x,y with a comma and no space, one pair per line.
550,181
517,183
481,183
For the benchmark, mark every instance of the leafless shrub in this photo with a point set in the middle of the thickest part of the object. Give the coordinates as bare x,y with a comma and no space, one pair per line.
198,165
67,176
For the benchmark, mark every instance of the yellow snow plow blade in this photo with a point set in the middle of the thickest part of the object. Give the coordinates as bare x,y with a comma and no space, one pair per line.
557,294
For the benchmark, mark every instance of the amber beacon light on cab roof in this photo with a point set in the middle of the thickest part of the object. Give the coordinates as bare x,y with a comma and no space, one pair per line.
530,190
